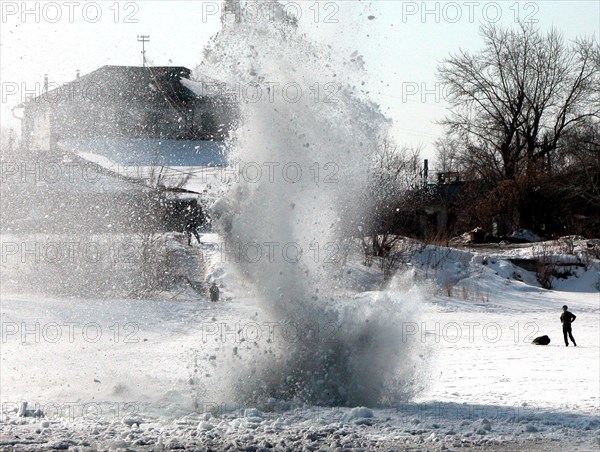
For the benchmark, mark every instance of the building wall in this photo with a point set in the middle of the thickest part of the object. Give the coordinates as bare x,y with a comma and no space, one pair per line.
112,103
37,128
120,119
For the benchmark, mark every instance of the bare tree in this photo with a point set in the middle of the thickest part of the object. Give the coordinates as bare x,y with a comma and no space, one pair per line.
165,178
394,173
582,158
514,101
447,156
8,141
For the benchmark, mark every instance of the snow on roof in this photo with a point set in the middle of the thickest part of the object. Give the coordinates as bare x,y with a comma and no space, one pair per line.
148,151
142,159
204,88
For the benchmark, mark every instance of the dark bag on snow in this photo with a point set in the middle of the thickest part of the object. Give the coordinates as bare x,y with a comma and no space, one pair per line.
541,340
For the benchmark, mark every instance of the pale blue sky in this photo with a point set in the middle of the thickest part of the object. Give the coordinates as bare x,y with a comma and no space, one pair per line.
401,46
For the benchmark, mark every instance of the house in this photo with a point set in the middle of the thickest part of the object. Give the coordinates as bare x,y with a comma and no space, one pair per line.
124,102
64,194
436,212
135,135
68,194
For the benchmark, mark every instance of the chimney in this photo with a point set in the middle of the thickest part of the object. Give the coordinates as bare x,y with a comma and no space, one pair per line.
45,83
425,171
228,8
77,74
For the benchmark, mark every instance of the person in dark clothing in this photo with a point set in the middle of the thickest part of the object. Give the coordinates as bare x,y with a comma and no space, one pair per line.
214,292
192,221
566,318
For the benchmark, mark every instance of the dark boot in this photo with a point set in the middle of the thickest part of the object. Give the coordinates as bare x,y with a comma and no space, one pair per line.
572,338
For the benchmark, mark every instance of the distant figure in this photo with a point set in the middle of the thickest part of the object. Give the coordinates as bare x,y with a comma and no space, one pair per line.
566,318
541,340
192,221
214,292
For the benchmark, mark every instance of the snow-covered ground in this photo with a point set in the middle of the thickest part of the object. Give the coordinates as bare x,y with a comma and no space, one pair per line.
113,374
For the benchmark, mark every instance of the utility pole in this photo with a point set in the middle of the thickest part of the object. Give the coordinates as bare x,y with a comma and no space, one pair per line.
143,39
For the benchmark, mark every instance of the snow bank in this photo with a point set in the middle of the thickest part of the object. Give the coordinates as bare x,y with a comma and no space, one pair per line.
526,235
358,412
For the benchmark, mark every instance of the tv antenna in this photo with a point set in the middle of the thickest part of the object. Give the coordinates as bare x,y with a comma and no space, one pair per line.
143,39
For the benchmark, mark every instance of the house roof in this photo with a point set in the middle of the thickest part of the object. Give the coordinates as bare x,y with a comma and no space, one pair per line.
142,158
148,151
111,83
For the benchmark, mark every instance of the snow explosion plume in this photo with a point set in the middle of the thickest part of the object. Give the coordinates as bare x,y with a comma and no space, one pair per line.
304,123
